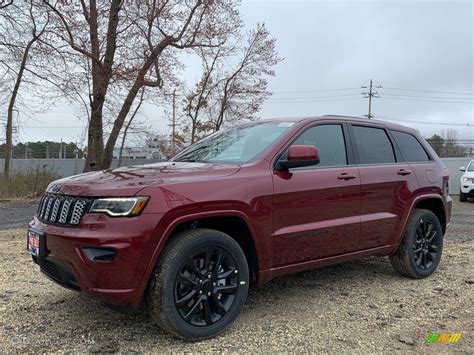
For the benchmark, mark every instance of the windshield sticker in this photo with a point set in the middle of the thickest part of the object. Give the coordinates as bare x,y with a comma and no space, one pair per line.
286,124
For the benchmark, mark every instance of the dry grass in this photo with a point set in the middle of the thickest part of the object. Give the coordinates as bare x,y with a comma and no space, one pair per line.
26,184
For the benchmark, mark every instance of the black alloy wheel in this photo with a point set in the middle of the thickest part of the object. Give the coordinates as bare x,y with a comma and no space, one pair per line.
419,253
206,286
426,244
199,285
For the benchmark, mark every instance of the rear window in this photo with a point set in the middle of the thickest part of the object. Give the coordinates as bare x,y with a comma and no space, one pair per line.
411,149
373,145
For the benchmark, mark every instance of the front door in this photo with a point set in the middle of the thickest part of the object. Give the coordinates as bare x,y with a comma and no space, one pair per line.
317,208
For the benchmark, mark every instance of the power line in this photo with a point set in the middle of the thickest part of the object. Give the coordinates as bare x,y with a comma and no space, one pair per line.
311,101
437,92
447,102
53,127
431,97
310,97
309,91
426,122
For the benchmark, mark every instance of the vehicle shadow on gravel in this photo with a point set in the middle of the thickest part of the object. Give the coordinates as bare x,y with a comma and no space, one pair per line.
98,323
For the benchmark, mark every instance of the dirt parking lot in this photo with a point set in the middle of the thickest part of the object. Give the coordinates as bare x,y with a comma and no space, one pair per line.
360,306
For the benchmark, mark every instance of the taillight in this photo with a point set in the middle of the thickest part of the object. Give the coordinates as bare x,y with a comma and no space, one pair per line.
445,182
446,186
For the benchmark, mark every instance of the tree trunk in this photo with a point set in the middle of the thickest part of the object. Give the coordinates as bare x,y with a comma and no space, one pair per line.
11,106
101,74
107,154
193,131
95,140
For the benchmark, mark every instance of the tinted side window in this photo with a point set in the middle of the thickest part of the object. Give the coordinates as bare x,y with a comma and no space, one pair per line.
329,139
374,145
412,151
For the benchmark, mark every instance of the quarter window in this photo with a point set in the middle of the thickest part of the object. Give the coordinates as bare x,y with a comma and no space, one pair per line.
412,151
329,139
373,145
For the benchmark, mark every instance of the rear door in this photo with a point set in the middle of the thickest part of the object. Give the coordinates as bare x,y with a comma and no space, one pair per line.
316,208
427,171
387,184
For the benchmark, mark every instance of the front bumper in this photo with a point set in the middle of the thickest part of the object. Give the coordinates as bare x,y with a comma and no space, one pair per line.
119,281
59,273
467,188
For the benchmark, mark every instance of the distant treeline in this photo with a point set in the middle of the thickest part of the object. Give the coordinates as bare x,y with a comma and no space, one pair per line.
43,150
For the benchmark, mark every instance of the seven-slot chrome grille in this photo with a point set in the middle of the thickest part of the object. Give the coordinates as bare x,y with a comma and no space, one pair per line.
60,209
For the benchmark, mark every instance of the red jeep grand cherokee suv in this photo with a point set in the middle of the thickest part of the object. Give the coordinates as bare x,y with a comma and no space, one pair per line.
185,238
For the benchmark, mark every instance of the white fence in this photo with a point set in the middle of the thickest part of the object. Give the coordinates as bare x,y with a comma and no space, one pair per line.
64,167
68,167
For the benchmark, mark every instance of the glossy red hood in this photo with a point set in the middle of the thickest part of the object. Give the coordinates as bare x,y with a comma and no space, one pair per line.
128,181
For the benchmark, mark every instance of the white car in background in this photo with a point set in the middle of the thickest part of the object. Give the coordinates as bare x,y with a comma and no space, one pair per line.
467,182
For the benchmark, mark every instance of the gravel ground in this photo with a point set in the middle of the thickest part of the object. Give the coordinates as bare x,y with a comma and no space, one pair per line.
16,213
360,306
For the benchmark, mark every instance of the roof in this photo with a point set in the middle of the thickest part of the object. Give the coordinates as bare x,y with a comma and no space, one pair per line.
387,124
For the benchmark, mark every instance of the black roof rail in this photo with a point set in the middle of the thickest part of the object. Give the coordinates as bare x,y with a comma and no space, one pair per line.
332,115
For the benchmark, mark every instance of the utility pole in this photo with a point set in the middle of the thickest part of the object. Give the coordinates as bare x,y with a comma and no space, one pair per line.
173,125
61,149
370,93
47,150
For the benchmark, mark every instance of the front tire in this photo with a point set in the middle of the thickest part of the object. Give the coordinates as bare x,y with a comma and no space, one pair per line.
420,252
462,197
199,285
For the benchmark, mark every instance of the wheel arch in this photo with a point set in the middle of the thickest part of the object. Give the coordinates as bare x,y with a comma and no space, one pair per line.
233,223
431,202
436,206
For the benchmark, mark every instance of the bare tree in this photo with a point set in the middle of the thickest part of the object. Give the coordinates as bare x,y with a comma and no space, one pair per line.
21,27
198,99
5,3
233,84
451,147
128,47
244,89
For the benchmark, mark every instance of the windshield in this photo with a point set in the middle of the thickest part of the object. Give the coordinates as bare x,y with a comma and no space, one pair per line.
471,166
235,145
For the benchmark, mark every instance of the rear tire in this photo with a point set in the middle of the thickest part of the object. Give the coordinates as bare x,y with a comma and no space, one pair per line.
420,252
199,285
462,196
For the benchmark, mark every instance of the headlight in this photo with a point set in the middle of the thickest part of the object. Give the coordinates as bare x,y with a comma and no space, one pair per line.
119,206
466,179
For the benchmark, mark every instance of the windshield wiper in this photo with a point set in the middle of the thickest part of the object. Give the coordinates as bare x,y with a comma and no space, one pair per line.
187,160
184,157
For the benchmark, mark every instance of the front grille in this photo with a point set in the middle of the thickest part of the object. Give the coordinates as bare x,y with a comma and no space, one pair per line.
50,269
64,210
57,272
